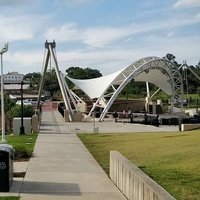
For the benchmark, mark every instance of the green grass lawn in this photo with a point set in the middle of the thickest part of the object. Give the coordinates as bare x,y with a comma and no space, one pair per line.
171,159
23,145
9,198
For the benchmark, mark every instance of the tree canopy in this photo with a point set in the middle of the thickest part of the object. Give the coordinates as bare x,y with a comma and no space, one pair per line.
51,82
190,82
83,73
34,78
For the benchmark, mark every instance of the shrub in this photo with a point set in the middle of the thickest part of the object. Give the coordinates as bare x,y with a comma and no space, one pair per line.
22,153
27,111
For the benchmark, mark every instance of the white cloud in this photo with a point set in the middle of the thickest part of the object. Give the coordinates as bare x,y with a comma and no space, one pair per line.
77,2
198,16
93,37
17,28
99,37
170,34
13,3
24,61
66,32
107,61
26,58
186,3
72,2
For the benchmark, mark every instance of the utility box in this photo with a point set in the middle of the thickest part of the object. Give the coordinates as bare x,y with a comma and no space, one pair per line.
26,123
78,117
6,167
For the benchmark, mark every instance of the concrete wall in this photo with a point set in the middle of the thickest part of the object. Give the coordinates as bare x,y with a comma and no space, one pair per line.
188,127
26,123
133,105
78,117
134,183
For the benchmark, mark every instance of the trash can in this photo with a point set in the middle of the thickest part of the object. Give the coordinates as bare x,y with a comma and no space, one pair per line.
6,167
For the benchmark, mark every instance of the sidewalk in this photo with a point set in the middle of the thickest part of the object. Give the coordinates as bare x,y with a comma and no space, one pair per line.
62,168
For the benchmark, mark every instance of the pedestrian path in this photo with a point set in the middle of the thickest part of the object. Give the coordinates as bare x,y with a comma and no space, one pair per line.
62,168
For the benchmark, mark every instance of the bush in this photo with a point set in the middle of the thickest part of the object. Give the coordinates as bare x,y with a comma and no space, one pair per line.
22,153
27,111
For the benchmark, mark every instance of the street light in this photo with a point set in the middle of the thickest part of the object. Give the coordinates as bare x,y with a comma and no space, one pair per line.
3,139
22,111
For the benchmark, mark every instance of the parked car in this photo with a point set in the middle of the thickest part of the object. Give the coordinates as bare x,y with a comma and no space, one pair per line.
33,101
24,103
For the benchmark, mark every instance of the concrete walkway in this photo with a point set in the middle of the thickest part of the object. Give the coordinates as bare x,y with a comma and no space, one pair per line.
62,168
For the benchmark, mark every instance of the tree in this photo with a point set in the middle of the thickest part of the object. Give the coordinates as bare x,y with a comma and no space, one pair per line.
172,58
81,73
8,102
34,79
190,82
51,82
198,91
28,111
8,105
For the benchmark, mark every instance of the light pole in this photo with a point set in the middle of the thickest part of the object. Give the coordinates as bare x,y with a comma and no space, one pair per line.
3,140
22,111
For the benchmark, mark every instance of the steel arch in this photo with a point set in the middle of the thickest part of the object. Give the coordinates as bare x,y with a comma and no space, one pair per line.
140,66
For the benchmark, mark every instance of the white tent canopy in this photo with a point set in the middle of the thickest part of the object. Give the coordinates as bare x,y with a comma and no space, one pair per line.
94,88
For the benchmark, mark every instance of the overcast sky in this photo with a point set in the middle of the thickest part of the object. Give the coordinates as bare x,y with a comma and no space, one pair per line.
107,35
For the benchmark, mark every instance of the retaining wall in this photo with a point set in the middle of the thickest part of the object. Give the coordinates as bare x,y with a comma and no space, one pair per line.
133,182
188,127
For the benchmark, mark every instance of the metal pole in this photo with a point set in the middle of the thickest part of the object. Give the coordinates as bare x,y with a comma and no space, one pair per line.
147,88
43,77
22,111
63,91
3,139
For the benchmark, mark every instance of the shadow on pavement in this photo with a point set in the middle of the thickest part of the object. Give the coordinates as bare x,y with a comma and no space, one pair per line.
51,188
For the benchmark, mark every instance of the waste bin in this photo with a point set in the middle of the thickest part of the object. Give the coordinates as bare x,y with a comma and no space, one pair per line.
6,167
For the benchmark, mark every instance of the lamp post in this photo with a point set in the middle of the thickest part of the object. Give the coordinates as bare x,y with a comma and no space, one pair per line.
22,111
3,140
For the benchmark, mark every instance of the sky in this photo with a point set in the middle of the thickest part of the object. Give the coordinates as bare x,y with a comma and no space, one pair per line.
107,35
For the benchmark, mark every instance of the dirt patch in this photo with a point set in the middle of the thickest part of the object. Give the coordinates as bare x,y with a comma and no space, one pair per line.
19,174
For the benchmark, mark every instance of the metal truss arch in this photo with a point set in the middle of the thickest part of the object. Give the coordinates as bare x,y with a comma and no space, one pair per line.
144,65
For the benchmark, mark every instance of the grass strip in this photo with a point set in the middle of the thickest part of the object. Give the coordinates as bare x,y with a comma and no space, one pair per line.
9,198
23,145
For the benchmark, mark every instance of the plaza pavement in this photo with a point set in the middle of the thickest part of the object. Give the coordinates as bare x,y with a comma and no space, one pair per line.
62,168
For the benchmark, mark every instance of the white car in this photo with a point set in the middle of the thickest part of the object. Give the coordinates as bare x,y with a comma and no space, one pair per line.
24,103
33,101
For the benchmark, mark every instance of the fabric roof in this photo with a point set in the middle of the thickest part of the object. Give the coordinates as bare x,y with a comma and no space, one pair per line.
95,88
